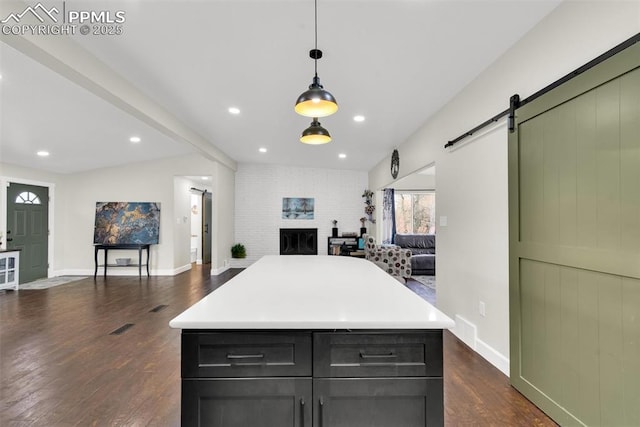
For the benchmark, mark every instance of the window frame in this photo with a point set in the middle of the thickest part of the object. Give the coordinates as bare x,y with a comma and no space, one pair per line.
28,198
412,193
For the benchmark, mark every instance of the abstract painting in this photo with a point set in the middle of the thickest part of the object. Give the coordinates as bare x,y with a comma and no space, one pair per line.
127,223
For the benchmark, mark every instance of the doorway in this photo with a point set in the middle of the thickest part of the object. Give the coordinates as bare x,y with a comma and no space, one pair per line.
27,228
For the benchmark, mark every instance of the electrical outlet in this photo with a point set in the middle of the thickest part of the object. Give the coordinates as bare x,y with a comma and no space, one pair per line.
481,309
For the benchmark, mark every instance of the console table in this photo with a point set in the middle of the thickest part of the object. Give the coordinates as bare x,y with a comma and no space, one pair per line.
107,248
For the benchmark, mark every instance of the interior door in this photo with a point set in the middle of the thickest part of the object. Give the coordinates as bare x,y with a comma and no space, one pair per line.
574,232
206,227
27,228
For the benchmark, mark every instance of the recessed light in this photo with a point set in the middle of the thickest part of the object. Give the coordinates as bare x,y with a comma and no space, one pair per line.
262,150
342,156
42,153
135,139
205,178
234,110
358,118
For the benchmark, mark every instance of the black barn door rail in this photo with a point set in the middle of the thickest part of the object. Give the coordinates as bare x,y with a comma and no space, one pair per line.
515,101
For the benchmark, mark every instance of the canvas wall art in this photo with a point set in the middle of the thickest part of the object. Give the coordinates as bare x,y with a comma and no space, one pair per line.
297,208
127,223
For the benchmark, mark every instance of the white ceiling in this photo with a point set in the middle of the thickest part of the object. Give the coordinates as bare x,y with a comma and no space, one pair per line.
395,62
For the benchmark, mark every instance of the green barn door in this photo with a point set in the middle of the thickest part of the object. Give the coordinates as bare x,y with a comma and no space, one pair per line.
27,228
574,208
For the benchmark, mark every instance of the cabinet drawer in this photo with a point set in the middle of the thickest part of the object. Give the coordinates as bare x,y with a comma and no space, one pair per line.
237,354
377,354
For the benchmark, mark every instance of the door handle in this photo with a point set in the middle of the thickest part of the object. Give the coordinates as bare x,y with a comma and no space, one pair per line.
320,415
302,412
206,228
9,239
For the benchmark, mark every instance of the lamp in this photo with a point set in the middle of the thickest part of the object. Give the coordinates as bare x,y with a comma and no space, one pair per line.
316,102
315,134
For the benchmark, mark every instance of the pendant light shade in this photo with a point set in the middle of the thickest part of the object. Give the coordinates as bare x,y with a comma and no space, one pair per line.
315,134
316,102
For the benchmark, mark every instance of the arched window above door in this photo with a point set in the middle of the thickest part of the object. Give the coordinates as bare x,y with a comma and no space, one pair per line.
28,198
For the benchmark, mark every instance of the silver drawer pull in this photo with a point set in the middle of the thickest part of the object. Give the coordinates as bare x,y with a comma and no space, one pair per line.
245,356
378,356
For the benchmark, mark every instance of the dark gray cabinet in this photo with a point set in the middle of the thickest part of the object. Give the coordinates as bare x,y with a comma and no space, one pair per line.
252,354
242,402
384,378
377,354
377,402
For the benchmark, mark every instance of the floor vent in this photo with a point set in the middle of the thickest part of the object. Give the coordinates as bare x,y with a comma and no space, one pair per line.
122,329
158,308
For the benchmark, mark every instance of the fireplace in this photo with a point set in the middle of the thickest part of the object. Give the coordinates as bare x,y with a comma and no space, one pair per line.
298,241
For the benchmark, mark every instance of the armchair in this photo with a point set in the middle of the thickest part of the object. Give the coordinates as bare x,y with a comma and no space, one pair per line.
393,259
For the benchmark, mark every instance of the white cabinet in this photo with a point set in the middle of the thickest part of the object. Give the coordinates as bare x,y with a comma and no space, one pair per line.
9,269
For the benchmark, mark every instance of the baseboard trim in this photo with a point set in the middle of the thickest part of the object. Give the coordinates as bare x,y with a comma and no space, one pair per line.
122,271
494,357
467,332
219,271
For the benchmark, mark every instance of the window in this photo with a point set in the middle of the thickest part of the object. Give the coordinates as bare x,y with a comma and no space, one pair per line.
415,212
28,198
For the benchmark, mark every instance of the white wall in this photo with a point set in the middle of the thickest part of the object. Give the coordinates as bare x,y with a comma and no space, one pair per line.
224,195
154,181
259,193
472,253
416,182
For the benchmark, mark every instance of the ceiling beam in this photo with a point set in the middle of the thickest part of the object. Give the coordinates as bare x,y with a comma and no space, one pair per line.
66,57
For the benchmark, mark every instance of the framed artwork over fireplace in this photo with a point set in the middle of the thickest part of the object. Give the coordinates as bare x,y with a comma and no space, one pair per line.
298,207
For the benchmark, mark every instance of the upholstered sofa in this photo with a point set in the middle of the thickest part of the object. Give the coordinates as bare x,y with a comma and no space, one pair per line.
423,252
392,259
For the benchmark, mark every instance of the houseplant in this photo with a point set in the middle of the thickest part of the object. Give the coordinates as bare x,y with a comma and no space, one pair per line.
238,251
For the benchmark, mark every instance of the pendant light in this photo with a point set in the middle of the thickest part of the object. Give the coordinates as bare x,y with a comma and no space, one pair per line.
316,102
315,134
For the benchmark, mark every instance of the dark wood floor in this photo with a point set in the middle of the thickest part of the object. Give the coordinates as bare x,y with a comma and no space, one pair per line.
61,366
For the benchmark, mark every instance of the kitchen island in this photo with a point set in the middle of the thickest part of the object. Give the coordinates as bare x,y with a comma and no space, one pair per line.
312,341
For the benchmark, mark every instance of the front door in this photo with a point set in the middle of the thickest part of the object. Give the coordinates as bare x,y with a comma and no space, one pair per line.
27,228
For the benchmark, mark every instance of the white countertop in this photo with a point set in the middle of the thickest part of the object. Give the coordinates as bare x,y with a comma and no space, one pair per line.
312,292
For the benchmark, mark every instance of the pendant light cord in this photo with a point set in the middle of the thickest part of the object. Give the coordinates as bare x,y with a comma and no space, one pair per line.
315,61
